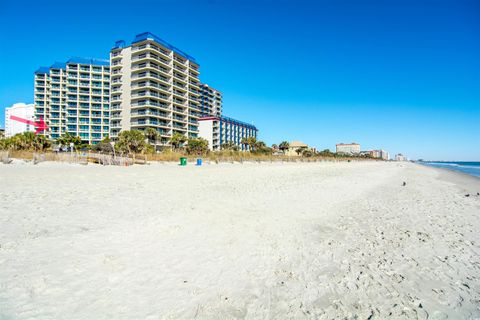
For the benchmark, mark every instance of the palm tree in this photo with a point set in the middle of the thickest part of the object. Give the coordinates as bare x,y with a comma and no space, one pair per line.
66,139
229,146
251,142
131,141
197,146
41,143
177,140
104,146
284,145
152,135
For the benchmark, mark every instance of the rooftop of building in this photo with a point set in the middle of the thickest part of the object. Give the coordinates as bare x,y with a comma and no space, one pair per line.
74,60
230,120
207,86
150,36
348,144
297,144
20,105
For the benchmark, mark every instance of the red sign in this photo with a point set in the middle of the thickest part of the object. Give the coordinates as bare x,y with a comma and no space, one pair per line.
39,125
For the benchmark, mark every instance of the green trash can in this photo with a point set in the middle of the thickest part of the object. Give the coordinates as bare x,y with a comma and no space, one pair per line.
183,161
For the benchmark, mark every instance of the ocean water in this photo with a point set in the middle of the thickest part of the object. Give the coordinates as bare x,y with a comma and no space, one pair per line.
471,168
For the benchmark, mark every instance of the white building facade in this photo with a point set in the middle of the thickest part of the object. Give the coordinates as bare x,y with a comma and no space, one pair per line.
154,85
221,130
348,148
20,110
210,101
380,154
73,97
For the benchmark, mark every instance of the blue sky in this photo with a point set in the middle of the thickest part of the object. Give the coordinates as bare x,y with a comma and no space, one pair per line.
398,75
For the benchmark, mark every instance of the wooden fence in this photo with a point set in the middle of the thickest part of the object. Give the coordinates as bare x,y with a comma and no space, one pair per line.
86,157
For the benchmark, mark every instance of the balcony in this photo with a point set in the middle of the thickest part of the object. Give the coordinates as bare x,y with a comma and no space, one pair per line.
178,60
150,103
151,94
149,84
142,113
151,122
180,77
181,70
149,75
179,94
194,84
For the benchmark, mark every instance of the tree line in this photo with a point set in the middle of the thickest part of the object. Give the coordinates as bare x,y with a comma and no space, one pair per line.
144,142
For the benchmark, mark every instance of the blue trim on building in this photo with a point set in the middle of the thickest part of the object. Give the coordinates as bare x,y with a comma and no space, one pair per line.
58,65
239,123
76,60
119,44
89,61
42,70
150,36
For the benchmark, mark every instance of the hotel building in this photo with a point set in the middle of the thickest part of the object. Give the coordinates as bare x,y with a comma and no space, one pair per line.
73,97
154,85
348,148
220,130
400,157
20,110
210,101
380,154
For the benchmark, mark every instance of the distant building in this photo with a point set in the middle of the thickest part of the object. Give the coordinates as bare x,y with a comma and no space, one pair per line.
210,101
348,148
380,154
385,155
295,148
21,110
221,130
375,154
400,157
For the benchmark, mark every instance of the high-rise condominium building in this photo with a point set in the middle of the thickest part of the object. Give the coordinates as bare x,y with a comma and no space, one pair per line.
154,85
73,97
222,130
210,101
21,111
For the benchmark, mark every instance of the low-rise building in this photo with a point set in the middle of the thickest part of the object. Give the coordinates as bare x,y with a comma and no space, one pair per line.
348,148
295,148
223,130
400,157
19,111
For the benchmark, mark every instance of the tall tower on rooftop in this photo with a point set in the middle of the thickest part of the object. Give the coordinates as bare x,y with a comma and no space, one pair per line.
154,85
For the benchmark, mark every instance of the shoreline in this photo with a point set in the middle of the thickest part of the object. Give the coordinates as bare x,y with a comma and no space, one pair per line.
443,169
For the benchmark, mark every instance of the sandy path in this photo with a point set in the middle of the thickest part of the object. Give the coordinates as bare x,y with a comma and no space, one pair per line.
322,241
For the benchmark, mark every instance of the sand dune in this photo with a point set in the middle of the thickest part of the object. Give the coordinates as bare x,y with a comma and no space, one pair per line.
232,241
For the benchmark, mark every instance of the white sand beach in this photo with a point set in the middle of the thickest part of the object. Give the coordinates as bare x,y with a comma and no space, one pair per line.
235,241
